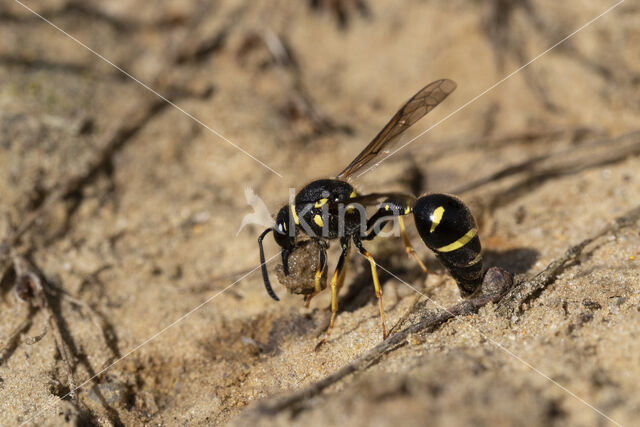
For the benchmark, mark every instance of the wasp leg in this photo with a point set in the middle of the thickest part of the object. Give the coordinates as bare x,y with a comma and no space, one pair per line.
334,289
397,206
407,245
343,273
285,261
376,281
317,288
318,277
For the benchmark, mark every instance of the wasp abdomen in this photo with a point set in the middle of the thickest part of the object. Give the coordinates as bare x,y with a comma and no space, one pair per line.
448,228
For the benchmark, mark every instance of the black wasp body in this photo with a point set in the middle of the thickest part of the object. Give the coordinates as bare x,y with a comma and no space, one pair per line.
330,209
319,203
448,229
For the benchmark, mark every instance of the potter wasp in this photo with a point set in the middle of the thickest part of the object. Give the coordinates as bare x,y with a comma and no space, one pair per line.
331,209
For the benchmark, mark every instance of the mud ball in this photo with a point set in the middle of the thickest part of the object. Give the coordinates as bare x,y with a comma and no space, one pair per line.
303,263
496,281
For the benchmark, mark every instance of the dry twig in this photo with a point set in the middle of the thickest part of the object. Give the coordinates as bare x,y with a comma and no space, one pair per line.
507,306
495,288
30,288
131,123
522,292
566,162
14,337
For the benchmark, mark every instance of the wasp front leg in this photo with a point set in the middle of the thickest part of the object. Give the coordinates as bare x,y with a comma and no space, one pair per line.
318,276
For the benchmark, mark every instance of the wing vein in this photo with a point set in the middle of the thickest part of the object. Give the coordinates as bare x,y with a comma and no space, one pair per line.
413,110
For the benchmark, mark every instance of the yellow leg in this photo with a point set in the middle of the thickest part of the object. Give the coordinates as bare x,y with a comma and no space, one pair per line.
317,287
334,292
407,245
334,306
376,285
322,265
343,273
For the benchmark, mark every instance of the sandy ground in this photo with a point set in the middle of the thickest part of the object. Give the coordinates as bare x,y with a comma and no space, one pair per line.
148,234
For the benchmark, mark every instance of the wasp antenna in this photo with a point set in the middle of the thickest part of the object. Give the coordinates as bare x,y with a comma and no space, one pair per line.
263,264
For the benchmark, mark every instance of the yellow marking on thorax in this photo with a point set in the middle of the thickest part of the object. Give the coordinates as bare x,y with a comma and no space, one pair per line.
407,211
295,215
386,207
460,242
318,220
320,203
436,217
351,208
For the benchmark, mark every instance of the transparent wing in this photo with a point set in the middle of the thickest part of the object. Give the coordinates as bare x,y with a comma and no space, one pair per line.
414,109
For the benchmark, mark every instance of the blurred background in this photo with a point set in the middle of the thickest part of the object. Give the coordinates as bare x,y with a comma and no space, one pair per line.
126,146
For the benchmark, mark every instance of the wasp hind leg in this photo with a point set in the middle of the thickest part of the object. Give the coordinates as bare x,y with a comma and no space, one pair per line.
396,206
335,279
407,246
376,281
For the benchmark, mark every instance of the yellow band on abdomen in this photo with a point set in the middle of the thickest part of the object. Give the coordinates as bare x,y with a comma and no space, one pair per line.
460,242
